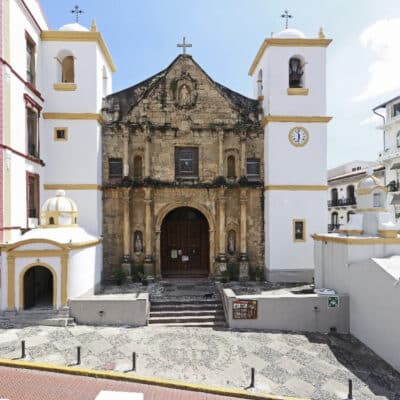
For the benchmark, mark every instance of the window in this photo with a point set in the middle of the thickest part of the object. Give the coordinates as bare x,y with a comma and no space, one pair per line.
334,218
32,195
377,200
137,167
115,168
253,169
295,73
299,230
30,60
396,110
60,134
68,70
398,139
186,162
260,83
231,167
349,214
32,132
105,84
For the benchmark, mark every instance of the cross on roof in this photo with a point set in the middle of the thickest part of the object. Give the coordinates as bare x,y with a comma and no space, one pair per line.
286,15
184,45
77,11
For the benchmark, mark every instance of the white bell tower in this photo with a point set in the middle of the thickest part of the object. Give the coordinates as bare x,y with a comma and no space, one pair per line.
78,70
289,80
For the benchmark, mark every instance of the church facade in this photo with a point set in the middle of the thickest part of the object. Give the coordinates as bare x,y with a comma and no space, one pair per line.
182,175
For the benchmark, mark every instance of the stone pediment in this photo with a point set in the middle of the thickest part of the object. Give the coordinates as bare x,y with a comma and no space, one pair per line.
181,92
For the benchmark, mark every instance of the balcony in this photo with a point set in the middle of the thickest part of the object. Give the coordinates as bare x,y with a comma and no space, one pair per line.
342,202
333,227
389,154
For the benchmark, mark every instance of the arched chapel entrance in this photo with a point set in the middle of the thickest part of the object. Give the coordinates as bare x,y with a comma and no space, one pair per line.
185,243
38,287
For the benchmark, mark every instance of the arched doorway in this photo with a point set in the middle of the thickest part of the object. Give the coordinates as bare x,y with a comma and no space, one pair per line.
185,244
38,287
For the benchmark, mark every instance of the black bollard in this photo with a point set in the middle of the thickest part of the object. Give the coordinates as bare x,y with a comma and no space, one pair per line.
133,361
350,395
23,355
252,377
78,355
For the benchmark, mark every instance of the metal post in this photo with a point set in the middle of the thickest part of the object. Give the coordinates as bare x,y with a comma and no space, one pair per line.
350,395
23,355
78,355
252,377
133,361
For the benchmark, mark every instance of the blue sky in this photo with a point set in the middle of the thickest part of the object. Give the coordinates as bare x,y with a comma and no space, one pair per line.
362,61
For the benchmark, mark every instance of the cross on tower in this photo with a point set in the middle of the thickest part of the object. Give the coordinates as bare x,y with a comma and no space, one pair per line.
76,11
286,15
184,45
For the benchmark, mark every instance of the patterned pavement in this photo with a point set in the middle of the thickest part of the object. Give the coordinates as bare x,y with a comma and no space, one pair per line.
306,365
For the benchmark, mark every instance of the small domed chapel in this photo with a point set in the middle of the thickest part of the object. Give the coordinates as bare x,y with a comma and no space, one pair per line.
178,175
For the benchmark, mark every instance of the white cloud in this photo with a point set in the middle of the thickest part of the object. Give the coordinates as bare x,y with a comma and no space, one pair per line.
382,38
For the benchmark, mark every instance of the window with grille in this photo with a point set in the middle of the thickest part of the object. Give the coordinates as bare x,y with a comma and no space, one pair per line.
30,60
299,230
33,195
253,169
186,162
115,168
32,132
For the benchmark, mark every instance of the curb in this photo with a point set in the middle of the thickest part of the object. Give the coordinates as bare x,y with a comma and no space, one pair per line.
118,376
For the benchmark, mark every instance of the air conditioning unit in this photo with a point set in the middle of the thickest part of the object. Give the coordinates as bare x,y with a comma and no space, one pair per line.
33,223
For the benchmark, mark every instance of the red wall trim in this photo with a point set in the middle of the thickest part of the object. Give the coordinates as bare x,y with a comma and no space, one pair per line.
31,15
28,99
27,84
26,156
9,228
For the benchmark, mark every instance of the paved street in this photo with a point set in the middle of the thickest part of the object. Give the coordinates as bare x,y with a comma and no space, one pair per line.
312,365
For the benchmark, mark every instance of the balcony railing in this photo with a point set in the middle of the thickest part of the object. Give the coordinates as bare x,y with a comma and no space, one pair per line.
333,227
342,202
388,154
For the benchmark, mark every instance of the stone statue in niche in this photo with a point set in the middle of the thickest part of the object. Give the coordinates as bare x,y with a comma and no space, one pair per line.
231,242
185,99
138,242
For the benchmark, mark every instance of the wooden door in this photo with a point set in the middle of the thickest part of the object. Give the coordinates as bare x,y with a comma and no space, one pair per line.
185,243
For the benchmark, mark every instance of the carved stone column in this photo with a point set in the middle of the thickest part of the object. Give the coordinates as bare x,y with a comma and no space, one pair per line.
221,258
126,261
147,154
125,138
243,259
221,153
148,259
11,283
243,154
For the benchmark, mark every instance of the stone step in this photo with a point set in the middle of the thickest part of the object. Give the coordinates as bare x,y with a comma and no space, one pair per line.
205,304
192,325
185,319
187,313
188,307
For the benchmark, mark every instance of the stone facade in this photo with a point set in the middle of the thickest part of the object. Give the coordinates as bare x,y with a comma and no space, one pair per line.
182,107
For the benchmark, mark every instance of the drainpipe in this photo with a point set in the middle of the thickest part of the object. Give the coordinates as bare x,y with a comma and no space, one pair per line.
384,136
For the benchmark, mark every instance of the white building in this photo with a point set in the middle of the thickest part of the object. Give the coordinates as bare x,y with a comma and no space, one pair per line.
51,89
390,156
342,197
363,262
289,78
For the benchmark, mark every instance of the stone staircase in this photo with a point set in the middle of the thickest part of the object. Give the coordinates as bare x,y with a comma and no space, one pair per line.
36,316
193,313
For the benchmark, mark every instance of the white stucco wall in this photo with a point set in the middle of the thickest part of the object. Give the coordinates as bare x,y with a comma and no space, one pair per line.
374,293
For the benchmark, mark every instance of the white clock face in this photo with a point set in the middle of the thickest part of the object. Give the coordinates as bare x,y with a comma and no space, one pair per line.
298,136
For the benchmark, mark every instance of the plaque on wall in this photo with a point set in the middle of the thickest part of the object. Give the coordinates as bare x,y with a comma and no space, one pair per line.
244,309
174,254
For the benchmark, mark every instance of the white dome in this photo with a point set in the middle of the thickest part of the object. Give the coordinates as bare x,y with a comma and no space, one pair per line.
290,34
369,182
75,27
59,211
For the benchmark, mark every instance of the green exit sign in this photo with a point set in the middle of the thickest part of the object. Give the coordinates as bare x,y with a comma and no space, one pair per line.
333,301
